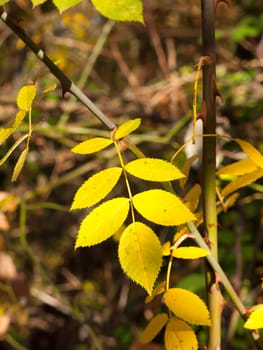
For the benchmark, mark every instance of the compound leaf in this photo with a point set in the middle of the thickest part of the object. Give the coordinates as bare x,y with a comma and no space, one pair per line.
120,10
190,253
96,188
91,146
187,306
162,207
26,97
140,254
251,152
255,320
153,169
102,222
153,328
179,335
126,128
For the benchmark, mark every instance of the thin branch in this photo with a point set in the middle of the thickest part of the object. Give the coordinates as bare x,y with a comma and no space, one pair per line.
66,83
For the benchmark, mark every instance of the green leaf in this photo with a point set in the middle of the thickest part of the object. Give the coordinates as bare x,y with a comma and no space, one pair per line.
162,208
126,128
64,5
153,169
140,254
91,146
96,188
251,152
102,222
255,320
153,328
26,97
19,164
190,253
187,306
241,167
242,181
179,335
120,10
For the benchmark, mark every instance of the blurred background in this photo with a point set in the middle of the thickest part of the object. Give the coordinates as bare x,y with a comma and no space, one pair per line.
55,297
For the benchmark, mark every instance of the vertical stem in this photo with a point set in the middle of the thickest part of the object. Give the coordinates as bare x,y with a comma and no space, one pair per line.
209,165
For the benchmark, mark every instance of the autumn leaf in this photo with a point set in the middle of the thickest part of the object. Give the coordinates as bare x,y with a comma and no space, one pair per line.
179,335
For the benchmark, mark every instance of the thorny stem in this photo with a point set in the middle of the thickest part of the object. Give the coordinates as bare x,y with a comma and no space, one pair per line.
208,114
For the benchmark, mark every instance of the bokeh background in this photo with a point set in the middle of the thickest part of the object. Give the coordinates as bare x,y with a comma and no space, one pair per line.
55,297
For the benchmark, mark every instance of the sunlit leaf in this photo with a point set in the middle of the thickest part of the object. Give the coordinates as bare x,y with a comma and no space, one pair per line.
153,328
187,306
255,320
26,97
153,169
6,132
19,164
251,152
189,253
126,128
96,188
179,335
63,5
140,254
162,208
159,289
20,116
102,222
241,167
242,181
91,146
120,10
51,87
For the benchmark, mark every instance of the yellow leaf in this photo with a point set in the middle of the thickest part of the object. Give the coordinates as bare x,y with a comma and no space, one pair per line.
159,289
140,254
91,146
255,320
251,152
4,134
19,164
166,248
126,128
187,306
25,97
162,208
96,188
186,168
153,169
179,335
153,328
241,167
18,119
242,181
50,88
189,253
102,222
192,197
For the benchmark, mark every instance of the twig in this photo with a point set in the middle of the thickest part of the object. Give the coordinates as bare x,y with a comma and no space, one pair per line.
66,83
